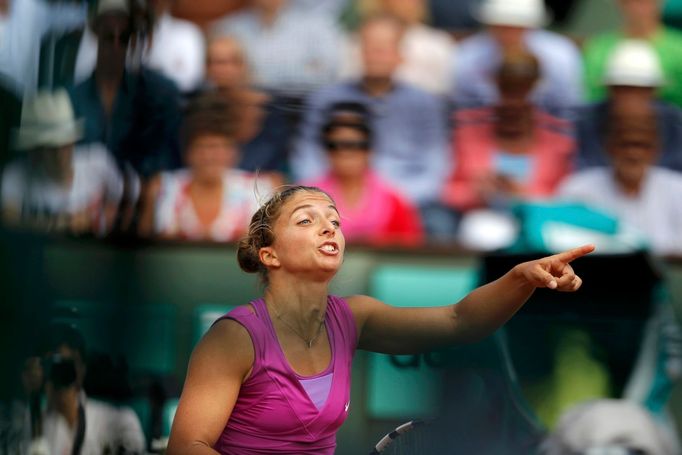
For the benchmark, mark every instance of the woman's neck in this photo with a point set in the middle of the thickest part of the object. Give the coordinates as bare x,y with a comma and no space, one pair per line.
303,305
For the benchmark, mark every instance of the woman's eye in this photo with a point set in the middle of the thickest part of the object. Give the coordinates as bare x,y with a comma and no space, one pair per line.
336,223
305,221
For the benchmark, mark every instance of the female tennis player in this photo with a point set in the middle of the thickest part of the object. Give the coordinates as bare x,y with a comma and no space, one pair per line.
273,376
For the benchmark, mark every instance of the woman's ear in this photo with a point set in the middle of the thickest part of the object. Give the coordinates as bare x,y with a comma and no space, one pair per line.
268,257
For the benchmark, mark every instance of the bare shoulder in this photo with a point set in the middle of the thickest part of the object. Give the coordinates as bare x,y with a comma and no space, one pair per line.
226,346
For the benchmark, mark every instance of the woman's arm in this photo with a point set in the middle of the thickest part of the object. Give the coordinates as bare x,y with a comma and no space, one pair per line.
392,330
220,363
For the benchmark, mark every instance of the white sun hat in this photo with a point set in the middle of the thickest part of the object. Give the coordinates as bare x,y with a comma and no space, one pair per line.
634,63
519,13
47,120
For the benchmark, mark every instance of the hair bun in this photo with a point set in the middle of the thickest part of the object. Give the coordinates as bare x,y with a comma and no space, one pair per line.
247,257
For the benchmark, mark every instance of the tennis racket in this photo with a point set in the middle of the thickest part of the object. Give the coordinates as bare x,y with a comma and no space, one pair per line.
408,439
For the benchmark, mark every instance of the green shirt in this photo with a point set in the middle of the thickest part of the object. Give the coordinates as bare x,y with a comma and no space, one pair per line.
668,45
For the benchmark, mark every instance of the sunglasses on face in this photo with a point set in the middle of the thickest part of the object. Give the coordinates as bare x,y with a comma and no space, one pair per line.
335,146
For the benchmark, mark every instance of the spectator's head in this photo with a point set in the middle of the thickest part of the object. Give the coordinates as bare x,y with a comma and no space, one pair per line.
408,11
269,6
347,139
632,144
119,25
66,350
508,20
48,131
226,66
380,38
633,73
113,27
640,15
249,113
208,138
516,77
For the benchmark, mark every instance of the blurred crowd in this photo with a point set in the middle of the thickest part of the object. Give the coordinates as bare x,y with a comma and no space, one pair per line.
429,122
120,119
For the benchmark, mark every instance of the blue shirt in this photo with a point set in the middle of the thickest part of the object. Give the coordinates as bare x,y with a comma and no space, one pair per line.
143,127
410,137
297,53
478,57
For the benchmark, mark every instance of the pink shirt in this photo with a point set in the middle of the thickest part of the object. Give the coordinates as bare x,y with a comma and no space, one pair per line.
474,150
273,413
382,216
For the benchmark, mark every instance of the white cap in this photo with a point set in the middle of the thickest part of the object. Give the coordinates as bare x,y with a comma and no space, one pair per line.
634,63
112,6
47,120
519,13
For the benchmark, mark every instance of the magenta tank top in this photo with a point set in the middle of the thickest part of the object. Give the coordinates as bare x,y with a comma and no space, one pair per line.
273,412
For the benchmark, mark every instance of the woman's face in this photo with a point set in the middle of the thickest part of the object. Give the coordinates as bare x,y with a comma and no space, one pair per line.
308,238
209,155
348,151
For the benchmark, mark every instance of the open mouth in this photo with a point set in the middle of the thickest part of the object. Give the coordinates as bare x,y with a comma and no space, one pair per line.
329,248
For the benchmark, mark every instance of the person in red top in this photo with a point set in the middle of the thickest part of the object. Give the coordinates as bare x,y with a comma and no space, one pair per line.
511,150
374,212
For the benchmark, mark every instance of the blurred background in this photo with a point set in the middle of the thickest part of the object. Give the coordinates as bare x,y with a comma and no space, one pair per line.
137,138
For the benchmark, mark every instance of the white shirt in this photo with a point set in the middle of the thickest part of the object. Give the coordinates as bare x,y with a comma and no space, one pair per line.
106,429
28,22
427,55
178,51
175,215
96,184
656,212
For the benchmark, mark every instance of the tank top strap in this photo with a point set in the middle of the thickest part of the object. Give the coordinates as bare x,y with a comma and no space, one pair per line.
252,320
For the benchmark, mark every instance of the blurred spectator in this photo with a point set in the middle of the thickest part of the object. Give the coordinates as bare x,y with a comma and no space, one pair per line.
609,427
227,68
510,26
73,420
177,49
290,51
134,112
410,142
510,151
333,9
373,211
25,26
56,186
426,52
632,75
261,126
210,199
640,194
641,20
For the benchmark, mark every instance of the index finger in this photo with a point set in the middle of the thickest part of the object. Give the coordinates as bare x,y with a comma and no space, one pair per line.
573,254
